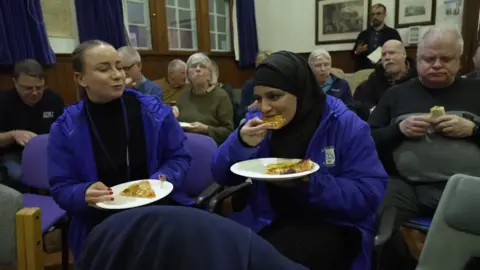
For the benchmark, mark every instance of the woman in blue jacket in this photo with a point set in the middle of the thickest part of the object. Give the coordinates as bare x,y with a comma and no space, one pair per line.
328,219
114,135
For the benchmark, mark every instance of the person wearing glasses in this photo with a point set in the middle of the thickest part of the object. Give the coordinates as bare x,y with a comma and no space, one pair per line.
26,110
132,65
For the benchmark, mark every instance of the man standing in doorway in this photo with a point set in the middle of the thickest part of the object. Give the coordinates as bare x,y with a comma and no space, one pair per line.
373,37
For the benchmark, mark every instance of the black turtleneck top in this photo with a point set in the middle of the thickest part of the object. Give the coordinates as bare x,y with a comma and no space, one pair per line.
108,119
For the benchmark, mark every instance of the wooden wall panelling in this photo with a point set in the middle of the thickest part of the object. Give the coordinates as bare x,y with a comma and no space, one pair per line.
59,77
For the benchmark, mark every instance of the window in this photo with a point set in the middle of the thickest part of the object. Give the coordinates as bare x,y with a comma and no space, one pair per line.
219,25
178,27
137,21
181,25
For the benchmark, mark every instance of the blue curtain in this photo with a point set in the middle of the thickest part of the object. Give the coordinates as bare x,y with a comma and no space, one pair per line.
22,33
247,32
101,19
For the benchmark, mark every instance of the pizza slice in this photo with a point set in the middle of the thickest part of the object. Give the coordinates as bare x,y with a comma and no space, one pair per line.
142,189
289,168
275,121
436,111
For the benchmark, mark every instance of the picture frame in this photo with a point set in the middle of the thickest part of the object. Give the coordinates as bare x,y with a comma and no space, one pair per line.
340,21
415,13
413,35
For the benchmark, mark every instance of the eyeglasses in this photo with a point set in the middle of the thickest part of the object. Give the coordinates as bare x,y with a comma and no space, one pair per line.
433,59
31,88
127,68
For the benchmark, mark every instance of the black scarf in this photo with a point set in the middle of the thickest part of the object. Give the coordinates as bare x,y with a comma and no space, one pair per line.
290,72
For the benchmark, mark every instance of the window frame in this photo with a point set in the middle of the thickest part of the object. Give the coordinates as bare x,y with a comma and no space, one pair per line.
147,24
178,28
228,28
159,29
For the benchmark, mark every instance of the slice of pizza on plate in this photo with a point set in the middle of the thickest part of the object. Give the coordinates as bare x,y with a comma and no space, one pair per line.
289,167
142,189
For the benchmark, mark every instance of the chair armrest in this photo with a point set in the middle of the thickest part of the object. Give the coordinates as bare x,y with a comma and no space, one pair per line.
11,201
216,200
385,228
207,194
29,238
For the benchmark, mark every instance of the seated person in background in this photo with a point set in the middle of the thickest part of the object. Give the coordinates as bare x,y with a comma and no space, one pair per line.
113,136
174,82
421,151
25,111
205,105
476,61
320,62
132,64
180,238
225,87
395,68
325,220
247,89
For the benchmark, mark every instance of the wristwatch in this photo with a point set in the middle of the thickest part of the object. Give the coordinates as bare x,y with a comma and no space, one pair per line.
475,131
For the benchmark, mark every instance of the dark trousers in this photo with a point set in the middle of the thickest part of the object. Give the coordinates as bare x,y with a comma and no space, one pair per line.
11,172
409,201
316,245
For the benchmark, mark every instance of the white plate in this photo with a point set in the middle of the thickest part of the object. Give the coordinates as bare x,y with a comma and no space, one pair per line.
185,125
255,169
162,189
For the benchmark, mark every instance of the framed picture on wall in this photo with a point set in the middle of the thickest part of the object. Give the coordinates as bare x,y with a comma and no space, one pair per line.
414,12
340,21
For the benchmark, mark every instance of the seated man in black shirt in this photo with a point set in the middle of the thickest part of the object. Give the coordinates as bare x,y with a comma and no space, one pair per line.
25,111
421,151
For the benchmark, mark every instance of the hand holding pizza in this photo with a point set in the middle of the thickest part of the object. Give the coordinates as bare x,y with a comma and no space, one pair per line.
98,192
254,131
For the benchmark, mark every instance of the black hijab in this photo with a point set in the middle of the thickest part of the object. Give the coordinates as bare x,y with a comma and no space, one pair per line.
177,238
290,72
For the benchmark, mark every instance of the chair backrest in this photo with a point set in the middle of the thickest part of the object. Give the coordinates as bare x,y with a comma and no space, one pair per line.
34,163
454,236
360,76
338,73
237,95
11,202
199,176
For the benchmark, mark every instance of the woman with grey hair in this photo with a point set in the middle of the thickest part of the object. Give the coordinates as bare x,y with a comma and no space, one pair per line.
320,62
205,105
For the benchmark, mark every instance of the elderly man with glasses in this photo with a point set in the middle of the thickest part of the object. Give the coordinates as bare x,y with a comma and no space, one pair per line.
132,64
426,130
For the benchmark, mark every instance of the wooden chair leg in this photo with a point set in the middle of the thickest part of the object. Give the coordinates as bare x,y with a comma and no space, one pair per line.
65,246
29,221
415,240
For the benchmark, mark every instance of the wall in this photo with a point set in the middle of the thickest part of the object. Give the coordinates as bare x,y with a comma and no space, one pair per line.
297,24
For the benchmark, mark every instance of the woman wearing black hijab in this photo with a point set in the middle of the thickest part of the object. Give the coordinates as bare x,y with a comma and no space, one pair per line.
325,220
177,238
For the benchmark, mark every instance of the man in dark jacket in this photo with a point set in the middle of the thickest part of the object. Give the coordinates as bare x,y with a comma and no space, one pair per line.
395,68
373,37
